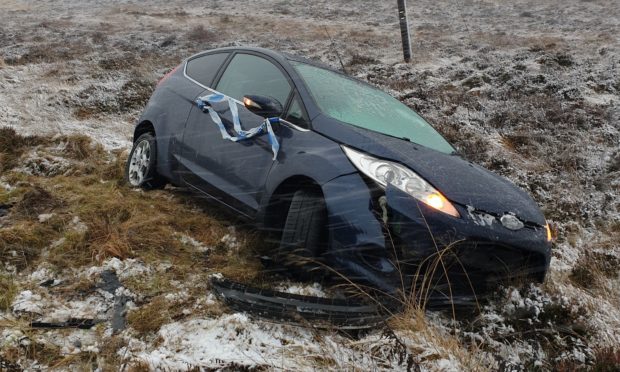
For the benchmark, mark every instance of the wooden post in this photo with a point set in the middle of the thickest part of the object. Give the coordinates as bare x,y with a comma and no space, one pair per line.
404,29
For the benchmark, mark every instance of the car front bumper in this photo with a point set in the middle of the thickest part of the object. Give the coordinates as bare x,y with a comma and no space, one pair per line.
467,256
408,247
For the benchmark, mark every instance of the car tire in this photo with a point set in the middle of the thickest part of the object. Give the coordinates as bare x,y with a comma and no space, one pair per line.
141,168
304,235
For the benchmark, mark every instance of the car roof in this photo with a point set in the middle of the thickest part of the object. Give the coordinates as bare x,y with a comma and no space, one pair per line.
281,57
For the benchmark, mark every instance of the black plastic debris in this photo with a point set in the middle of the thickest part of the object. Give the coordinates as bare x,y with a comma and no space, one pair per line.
314,311
50,283
71,323
110,283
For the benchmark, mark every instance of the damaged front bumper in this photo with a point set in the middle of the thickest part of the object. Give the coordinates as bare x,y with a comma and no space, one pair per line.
317,312
407,249
467,256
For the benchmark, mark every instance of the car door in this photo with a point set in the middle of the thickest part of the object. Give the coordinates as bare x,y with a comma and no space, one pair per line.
234,172
198,73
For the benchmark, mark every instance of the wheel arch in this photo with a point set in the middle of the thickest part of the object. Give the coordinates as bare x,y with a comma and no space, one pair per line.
145,126
273,215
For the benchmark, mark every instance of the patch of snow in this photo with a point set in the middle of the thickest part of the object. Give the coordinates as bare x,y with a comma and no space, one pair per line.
230,239
41,274
78,225
6,186
314,289
28,302
124,269
45,217
46,165
198,246
601,99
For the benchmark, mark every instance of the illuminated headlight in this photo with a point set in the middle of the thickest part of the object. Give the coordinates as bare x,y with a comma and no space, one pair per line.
384,172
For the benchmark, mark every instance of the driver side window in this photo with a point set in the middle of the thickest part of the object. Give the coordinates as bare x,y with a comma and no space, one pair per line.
251,75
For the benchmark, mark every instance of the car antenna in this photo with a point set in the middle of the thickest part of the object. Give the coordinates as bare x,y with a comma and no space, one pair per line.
335,50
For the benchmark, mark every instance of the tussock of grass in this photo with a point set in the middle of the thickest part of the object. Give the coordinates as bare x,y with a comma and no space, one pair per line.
8,290
11,356
412,322
592,267
149,318
21,244
108,351
80,147
44,353
200,34
36,201
12,146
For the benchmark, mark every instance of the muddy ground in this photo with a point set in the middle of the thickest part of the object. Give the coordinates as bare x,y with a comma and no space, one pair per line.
529,89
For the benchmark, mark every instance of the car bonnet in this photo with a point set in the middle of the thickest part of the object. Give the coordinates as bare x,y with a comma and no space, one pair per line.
461,181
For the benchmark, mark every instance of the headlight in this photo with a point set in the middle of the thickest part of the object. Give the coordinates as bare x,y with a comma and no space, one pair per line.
384,172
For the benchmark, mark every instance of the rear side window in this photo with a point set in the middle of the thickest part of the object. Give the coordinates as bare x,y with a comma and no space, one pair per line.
251,75
203,69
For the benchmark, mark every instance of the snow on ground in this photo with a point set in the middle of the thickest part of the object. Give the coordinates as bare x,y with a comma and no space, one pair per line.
236,339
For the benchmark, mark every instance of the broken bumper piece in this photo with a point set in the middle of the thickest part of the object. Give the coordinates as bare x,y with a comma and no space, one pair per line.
314,311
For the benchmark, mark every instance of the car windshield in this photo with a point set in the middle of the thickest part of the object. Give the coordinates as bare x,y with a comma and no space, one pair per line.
361,105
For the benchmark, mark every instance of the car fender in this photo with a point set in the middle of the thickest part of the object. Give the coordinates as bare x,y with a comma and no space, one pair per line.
304,157
321,165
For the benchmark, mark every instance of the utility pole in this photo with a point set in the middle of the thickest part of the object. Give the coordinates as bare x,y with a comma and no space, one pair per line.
404,29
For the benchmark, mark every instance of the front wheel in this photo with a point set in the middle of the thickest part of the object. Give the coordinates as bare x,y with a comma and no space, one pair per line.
304,235
141,168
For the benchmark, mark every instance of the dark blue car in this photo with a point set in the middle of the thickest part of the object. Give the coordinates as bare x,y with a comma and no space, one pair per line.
347,178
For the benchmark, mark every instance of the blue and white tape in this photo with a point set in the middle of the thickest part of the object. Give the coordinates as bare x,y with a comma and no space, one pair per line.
204,103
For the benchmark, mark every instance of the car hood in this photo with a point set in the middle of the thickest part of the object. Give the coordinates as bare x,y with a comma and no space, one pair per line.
461,181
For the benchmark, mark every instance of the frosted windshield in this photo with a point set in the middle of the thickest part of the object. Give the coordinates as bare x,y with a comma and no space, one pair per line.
361,105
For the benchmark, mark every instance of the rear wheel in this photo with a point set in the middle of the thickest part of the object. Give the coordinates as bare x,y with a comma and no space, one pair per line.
304,235
141,168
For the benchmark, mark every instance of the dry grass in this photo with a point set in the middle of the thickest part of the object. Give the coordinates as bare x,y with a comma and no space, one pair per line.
21,243
149,318
592,267
50,52
200,34
36,201
95,216
8,291
12,146
605,360
359,59
46,354
109,353
413,323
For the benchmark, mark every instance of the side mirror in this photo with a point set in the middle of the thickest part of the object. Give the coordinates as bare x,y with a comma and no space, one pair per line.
266,107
